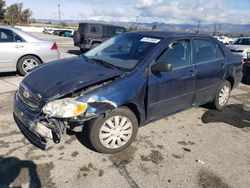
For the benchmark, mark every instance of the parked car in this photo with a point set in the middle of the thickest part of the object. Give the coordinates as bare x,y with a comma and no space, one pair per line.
20,51
224,39
126,82
242,46
66,33
90,35
57,32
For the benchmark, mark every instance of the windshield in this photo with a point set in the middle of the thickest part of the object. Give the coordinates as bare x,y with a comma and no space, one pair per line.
123,51
242,41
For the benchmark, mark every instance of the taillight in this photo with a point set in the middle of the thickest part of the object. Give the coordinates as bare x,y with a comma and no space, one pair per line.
54,47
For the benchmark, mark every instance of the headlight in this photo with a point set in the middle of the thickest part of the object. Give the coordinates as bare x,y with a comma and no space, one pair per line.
65,108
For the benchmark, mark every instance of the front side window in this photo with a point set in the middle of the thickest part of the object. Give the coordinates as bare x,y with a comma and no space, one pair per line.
6,35
205,50
123,51
242,41
177,54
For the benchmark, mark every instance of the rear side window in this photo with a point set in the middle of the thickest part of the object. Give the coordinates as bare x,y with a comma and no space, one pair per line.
6,35
95,29
205,50
177,54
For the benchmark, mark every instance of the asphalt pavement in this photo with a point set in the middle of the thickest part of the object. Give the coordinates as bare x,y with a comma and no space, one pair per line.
199,147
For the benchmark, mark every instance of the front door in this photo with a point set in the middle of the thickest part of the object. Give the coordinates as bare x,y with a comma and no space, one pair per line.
170,92
11,47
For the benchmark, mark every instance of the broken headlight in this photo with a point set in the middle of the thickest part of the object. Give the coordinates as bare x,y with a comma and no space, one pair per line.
65,108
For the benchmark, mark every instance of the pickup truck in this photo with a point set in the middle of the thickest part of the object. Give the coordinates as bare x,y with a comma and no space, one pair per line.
124,83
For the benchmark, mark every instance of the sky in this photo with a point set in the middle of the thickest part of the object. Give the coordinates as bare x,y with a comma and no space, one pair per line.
166,11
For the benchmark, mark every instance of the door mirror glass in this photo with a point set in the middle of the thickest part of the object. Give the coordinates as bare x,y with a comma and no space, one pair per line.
161,67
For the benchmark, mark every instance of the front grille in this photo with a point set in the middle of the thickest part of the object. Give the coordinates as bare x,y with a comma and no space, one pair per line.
27,97
236,51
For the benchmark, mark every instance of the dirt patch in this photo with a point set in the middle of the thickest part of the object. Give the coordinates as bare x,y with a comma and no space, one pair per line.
61,148
124,157
155,157
186,149
74,154
178,156
70,140
184,143
100,173
209,180
160,146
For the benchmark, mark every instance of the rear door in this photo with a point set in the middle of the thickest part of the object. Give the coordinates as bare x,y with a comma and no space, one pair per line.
170,92
210,63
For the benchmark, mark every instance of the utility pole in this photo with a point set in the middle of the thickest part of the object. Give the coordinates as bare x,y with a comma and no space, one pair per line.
198,27
59,14
214,29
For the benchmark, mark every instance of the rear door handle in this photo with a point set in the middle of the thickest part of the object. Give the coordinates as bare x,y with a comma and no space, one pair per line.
19,46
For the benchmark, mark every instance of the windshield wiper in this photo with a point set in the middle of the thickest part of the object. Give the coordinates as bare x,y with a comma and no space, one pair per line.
105,63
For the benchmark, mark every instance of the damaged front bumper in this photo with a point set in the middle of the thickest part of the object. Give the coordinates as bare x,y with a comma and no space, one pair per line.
36,127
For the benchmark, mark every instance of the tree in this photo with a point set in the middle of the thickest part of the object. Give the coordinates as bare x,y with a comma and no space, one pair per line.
25,15
2,10
15,14
154,27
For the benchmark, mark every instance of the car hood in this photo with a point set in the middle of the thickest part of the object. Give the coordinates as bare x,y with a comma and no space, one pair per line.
61,77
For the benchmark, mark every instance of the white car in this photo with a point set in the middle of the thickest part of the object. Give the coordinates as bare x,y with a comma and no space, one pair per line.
241,46
224,39
20,51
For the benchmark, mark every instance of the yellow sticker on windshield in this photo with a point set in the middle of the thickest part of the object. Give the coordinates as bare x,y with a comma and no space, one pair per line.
151,40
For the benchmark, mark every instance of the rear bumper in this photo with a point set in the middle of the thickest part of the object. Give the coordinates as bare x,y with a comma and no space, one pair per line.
51,56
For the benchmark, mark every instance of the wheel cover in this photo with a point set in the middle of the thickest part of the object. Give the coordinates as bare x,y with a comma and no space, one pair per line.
29,64
115,132
224,95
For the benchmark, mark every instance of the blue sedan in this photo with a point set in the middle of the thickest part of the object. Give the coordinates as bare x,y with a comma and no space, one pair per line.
126,82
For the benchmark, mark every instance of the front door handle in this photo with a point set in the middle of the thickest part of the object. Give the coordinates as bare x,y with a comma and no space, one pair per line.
192,72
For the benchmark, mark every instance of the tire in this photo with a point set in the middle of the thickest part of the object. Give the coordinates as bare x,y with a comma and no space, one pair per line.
94,45
116,139
83,50
27,63
77,37
222,95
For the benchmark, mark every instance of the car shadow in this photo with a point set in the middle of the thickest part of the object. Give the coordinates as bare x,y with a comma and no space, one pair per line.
7,74
74,52
11,168
235,115
82,137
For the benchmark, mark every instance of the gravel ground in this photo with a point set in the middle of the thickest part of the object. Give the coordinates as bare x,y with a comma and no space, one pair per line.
198,147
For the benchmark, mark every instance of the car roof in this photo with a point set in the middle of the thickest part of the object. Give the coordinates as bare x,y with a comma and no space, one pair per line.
27,37
166,34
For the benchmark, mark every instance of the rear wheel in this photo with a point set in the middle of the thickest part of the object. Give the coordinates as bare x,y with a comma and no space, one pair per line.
27,63
222,95
114,132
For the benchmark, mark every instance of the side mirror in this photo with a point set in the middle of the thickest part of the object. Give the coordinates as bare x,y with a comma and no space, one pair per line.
161,67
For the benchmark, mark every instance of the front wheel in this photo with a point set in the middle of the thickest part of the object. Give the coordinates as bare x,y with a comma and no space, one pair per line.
114,132
222,95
